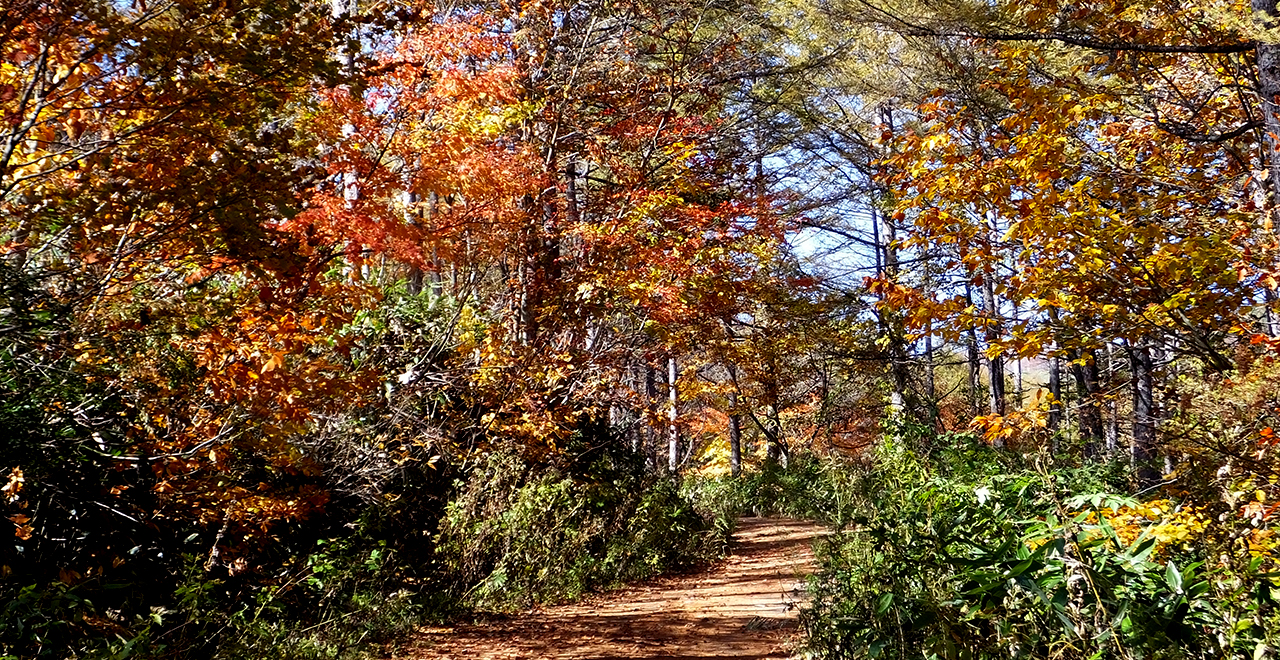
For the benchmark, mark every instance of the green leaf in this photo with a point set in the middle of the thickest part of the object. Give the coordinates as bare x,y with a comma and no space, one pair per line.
1141,549
1110,531
1121,614
1173,577
1020,568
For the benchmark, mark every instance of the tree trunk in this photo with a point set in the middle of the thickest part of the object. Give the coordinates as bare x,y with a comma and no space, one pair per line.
415,273
1090,418
528,320
1143,449
1163,392
975,361
1113,408
772,428
437,278
1269,300
1093,377
1017,365
528,267
930,383
651,402
735,425
415,280
347,65
1086,377
995,363
673,411
890,324
1268,57
930,387
1055,406
875,239
777,449
735,436
571,192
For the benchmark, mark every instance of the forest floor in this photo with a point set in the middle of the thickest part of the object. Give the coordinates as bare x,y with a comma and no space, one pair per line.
743,608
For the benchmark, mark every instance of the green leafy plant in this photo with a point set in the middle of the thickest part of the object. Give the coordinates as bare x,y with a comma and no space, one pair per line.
1026,564
521,535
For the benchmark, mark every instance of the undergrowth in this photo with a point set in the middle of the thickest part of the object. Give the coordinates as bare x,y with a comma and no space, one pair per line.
808,488
522,537
954,549
507,534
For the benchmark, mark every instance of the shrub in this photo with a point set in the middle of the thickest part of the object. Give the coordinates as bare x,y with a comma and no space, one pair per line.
1030,563
335,602
810,488
523,534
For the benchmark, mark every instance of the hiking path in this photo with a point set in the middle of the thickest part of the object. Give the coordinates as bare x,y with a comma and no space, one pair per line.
743,608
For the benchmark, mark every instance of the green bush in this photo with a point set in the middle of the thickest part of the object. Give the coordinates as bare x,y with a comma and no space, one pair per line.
523,535
947,562
335,602
810,488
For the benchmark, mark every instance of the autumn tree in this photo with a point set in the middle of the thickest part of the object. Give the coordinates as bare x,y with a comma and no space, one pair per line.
1120,172
578,168
168,337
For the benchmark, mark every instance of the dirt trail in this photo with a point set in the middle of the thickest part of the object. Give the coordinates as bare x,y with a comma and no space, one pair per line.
745,609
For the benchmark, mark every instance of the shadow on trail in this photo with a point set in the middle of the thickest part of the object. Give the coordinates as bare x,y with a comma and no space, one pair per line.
743,609
646,635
